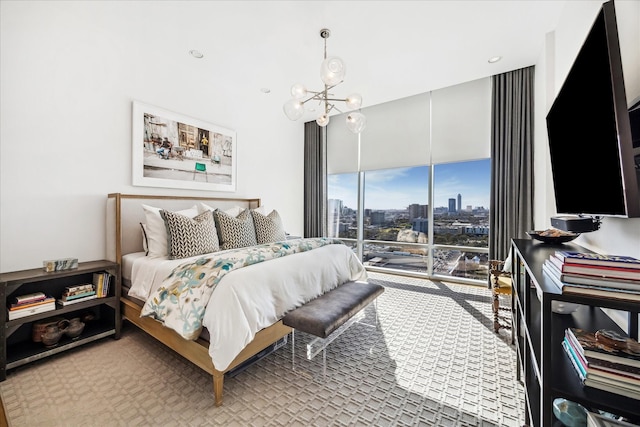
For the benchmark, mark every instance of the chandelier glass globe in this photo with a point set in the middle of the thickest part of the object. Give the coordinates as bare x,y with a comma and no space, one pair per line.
356,122
293,109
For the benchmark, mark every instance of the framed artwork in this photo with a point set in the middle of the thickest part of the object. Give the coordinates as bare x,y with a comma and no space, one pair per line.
175,151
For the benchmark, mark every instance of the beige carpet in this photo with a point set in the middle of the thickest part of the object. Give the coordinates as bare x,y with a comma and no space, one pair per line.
435,361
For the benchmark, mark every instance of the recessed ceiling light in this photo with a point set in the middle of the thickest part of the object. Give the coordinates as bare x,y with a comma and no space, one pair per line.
494,59
265,90
196,54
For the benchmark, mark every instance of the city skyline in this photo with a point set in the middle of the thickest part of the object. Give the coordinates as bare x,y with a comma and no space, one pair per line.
400,187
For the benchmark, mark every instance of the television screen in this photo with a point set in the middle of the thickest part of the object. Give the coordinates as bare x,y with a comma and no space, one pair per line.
589,131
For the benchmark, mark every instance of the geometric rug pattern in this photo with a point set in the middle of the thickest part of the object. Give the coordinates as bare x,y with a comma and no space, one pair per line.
433,361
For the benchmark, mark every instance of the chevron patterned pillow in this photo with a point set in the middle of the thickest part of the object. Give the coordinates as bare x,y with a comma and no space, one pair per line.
269,228
235,232
189,237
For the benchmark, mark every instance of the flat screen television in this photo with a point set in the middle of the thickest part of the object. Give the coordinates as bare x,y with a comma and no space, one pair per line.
589,129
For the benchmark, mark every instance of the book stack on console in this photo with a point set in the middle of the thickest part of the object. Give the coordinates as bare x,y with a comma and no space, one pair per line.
605,360
77,293
26,305
608,276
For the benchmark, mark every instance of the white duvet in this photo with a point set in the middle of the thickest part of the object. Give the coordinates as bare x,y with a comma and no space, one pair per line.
254,297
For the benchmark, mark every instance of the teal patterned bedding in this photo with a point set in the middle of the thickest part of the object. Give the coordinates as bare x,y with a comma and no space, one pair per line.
181,301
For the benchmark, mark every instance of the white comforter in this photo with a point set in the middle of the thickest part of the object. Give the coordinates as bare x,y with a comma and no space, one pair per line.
254,297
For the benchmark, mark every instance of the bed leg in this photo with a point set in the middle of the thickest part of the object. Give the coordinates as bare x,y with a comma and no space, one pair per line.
218,381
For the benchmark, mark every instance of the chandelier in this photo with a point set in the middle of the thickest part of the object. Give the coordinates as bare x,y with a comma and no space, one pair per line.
332,72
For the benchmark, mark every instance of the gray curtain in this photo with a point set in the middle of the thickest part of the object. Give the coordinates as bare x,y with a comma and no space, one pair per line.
315,180
511,212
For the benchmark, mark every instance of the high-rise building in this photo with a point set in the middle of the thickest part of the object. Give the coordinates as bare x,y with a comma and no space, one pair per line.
459,202
418,211
420,224
452,205
377,217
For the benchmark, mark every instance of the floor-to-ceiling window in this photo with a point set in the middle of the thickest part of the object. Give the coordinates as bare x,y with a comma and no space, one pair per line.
411,193
461,219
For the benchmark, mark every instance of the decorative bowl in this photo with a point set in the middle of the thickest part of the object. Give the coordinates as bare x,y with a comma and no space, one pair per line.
553,236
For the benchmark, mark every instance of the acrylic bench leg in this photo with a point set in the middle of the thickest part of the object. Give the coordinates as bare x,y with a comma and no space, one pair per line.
293,349
324,364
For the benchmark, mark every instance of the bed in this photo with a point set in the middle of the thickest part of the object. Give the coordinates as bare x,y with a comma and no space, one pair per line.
230,332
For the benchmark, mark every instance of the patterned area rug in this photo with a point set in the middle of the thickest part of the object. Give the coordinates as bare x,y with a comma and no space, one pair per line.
434,361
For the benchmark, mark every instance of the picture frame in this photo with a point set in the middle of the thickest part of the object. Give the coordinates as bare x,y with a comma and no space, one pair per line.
172,150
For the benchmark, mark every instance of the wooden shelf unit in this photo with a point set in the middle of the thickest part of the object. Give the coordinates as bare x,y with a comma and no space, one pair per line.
16,345
543,365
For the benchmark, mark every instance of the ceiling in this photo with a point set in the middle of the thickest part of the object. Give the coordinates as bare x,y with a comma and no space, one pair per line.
392,49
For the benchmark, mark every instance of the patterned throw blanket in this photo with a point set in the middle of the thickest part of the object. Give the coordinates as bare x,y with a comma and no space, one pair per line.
181,300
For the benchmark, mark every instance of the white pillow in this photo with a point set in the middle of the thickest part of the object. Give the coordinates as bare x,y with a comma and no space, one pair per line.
145,245
157,231
234,211
262,210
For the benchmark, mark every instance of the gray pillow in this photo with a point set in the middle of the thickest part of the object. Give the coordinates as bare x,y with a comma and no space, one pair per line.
269,228
187,237
235,232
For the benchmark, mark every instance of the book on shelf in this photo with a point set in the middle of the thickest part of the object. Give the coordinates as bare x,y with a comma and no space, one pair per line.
597,420
102,282
78,288
78,291
623,384
18,314
590,290
576,365
610,293
582,279
596,270
22,306
613,388
598,259
77,300
601,367
605,367
35,296
589,379
590,347
77,296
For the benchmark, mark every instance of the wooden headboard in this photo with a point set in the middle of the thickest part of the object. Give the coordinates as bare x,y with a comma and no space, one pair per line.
125,213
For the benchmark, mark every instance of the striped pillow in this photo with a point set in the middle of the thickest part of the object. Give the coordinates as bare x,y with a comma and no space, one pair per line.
189,237
235,232
269,228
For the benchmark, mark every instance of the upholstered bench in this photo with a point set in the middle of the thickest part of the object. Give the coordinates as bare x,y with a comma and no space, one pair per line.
330,314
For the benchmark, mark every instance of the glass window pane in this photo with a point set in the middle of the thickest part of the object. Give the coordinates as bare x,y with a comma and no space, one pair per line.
342,194
395,204
460,263
461,203
398,256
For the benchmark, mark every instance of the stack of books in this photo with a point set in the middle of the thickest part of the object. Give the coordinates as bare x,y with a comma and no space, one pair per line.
101,282
602,365
608,276
77,293
34,303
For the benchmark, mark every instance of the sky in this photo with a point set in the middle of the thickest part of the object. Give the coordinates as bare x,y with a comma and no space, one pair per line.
401,187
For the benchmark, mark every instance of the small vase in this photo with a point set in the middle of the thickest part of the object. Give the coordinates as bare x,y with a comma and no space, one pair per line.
75,328
51,336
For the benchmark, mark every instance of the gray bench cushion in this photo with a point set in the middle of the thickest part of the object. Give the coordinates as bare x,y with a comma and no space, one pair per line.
329,311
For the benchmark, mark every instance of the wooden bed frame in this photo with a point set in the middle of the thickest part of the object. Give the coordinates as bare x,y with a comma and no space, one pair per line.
124,235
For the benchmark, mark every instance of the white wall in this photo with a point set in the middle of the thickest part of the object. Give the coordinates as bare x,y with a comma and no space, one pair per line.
616,235
69,72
